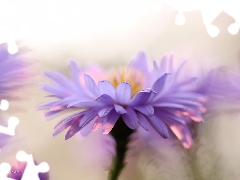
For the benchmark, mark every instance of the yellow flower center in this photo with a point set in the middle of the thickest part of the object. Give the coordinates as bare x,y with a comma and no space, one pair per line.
134,77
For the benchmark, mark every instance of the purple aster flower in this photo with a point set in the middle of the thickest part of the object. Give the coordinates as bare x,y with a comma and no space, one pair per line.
156,98
13,73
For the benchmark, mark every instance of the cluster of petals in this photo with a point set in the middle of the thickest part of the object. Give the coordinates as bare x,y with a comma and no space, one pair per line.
165,102
13,73
221,86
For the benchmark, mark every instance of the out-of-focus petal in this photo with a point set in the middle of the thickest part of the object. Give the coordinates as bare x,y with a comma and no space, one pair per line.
184,134
97,124
159,83
140,63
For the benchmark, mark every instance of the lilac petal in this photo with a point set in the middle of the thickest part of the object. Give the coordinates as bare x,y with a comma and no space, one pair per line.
147,110
69,118
187,85
89,116
170,105
179,70
170,65
45,105
104,111
188,95
105,99
62,127
109,121
51,113
87,104
130,118
142,121
98,123
183,101
87,129
157,72
163,65
159,126
105,87
119,109
196,117
91,85
63,102
75,71
140,63
123,93
159,83
169,117
184,134
167,65
55,90
71,122
73,129
141,97
58,78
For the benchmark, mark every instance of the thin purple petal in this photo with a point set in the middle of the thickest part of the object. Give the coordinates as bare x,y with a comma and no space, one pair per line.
123,93
105,87
105,99
91,85
159,126
97,124
89,116
142,121
109,121
73,129
184,134
159,83
140,63
141,97
130,118
104,111
147,110
120,109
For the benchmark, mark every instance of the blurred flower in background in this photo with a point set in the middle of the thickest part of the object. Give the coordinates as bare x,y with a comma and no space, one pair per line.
13,73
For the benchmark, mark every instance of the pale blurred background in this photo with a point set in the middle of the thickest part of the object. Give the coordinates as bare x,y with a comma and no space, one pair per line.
111,33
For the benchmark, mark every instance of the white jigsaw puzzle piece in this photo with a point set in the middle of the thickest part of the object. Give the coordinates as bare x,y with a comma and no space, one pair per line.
210,9
10,129
31,171
4,170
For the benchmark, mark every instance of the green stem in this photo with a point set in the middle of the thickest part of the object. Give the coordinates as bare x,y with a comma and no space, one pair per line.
121,133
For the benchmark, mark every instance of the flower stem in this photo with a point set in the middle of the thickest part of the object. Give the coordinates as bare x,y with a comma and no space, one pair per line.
121,133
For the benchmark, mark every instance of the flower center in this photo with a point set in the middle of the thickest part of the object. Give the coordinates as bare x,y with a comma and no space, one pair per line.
132,76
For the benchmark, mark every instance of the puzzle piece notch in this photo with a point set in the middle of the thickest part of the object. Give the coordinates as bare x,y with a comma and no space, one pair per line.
209,10
6,38
31,171
10,129
4,105
180,19
4,170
